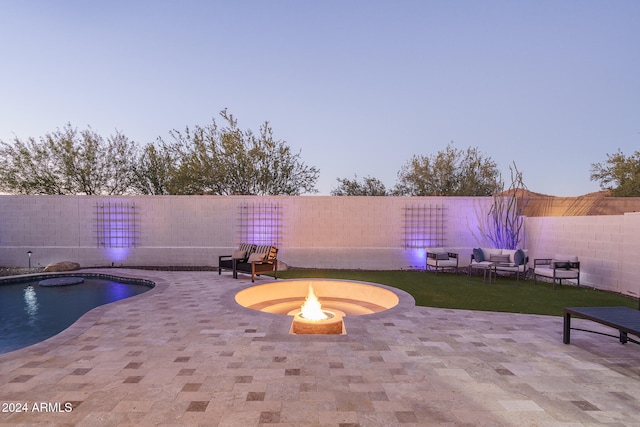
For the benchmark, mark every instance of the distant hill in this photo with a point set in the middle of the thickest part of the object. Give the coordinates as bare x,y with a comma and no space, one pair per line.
598,203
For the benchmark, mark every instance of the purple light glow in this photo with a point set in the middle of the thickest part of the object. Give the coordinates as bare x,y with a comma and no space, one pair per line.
416,258
116,229
261,224
117,254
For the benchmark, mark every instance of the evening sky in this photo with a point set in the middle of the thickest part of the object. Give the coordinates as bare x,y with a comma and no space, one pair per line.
358,86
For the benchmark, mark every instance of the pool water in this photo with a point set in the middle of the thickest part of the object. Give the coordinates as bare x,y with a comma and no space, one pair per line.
30,313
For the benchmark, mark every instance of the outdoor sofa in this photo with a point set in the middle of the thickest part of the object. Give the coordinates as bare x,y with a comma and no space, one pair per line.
512,261
251,259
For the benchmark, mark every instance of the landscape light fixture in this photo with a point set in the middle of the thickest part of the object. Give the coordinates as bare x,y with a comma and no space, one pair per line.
29,253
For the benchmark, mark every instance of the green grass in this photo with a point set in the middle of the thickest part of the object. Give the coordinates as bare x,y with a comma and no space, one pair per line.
455,291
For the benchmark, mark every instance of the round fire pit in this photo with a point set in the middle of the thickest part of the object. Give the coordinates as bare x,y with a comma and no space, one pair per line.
332,325
339,298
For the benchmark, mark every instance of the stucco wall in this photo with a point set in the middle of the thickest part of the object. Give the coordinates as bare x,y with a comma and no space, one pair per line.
323,232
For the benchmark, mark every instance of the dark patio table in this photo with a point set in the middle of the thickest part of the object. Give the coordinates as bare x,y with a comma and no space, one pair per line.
626,320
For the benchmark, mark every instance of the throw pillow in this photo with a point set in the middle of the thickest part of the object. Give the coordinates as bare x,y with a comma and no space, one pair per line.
518,257
478,255
256,257
500,259
239,254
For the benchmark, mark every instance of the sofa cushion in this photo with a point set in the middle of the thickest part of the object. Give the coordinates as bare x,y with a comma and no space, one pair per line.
478,255
247,247
269,251
262,249
442,256
510,268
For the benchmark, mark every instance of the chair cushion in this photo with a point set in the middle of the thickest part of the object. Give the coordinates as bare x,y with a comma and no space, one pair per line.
435,250
560,274
565,258
560,264
478,255
444,263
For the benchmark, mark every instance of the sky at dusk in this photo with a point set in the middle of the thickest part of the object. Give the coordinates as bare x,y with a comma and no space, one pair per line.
358,86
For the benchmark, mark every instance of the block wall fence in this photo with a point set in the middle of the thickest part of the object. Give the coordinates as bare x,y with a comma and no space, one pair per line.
380,233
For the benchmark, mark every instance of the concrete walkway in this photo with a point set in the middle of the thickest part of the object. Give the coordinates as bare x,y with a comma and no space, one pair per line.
186,354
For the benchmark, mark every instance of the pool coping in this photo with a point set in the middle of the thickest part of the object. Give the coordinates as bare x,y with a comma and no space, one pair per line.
91,317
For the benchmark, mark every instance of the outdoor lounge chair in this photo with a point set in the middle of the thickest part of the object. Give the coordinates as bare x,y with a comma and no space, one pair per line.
263,259
441,259
557,268
227,262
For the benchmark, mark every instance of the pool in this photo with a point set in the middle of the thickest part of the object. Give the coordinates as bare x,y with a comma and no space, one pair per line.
30,313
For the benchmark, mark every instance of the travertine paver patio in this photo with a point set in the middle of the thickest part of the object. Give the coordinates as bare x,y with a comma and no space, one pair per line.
186,354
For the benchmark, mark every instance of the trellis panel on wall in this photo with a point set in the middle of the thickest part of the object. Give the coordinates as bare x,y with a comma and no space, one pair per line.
424,226
261,223
117,224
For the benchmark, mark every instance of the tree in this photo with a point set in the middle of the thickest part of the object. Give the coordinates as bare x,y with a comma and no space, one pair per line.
369,187
68,161
279,170
451,172
28,167
153,170
227,160
202,160
505,223
620,174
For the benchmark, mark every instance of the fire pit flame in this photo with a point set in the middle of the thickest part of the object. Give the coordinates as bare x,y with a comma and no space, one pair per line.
310,318
311,308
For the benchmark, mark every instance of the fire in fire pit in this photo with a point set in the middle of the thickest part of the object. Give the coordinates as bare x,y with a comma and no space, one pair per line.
312,319
312,309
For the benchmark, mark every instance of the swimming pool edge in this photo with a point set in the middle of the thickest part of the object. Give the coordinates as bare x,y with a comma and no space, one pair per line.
91,317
